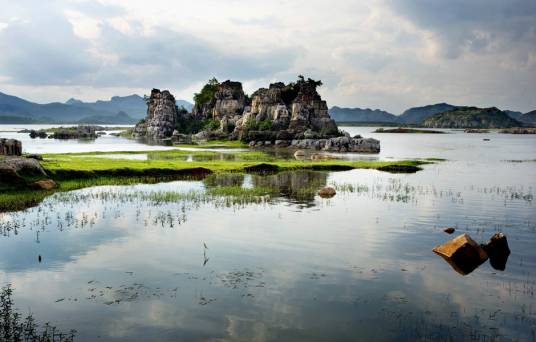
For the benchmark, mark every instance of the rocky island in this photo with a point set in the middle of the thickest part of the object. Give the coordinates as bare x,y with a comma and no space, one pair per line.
282,115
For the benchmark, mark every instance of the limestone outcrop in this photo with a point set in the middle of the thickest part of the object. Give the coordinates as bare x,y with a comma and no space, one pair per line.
10,147
162,116
294,109
282,115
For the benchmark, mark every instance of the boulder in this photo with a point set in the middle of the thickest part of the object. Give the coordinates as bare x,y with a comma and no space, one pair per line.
462,253
299,153
498,251
14,169
46,184
327,192
10,147
181,138
281,143
24,166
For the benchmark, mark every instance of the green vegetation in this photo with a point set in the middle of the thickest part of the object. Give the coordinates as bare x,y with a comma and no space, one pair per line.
265,125
471,117
16,327
216,144
79,170
74,165
212,124
207,92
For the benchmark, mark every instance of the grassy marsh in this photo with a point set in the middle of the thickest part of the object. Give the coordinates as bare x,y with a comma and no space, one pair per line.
79,170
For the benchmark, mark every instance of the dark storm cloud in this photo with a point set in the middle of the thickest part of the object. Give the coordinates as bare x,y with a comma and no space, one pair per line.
481,26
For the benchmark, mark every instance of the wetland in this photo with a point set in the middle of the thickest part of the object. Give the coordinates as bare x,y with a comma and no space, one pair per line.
238,254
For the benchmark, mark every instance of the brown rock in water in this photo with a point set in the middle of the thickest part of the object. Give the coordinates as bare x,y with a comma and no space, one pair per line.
47,184
449,230
462,253
498,251
327,192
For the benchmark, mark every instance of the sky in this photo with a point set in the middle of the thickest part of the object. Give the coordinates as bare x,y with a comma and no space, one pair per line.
387,54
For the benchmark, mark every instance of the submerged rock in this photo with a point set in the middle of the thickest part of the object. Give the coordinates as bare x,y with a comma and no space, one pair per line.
449,230
327,192
498,251
462,253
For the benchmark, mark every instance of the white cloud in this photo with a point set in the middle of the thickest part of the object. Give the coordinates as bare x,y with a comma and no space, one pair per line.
379,53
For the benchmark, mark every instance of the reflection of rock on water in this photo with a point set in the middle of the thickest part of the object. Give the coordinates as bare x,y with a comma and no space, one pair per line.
300,186
229,179
465,255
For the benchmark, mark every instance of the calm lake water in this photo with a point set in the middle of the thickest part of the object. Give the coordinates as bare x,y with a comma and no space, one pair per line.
119,263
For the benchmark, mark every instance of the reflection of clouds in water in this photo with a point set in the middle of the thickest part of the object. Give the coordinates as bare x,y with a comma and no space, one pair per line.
315,261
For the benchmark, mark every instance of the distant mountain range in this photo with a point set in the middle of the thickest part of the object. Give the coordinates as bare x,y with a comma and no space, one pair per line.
412,116
118,110
471,117
361,115
529,117
130,109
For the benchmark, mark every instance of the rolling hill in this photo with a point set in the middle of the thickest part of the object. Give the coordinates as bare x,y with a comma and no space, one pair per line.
118,110
360,115
417,115
471,117
529,117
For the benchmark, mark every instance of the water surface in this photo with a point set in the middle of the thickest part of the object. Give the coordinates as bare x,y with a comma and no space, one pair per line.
122,263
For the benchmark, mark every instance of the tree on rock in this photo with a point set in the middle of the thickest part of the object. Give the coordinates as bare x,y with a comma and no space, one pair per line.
207,92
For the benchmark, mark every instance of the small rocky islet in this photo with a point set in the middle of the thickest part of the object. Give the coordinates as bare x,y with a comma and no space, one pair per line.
282,115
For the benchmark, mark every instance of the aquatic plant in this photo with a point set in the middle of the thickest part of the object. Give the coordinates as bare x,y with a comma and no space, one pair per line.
15,328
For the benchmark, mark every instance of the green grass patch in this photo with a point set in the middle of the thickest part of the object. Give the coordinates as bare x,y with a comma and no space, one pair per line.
216,144
80,170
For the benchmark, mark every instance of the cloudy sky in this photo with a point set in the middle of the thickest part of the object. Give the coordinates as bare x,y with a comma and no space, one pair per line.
388,54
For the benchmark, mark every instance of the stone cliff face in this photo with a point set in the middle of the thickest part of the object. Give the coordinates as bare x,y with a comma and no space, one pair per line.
162,116
294,108
228,101
282,115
